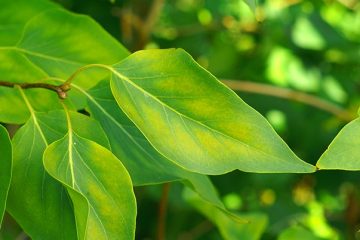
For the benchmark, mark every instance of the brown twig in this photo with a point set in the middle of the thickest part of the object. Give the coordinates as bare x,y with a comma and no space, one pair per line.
130,21
59,89
264,89
149,22
244,86
153,15
162,212
22,236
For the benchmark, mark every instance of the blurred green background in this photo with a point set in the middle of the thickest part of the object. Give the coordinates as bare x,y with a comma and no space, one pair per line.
311,47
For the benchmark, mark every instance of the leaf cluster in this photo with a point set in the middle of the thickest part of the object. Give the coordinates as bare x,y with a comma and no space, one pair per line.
128,120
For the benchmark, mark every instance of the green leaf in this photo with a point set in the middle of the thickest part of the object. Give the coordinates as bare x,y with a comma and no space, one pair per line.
99,186
59,42
194,120
344,151
229,228
252,5
53,43
144,163
31,187
297,233
6,168
13,20
14,66
35,199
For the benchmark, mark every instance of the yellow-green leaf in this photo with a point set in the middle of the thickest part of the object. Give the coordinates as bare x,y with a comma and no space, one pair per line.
47,41
59,42
31,187
13,20
194,120
98,184
14,66
344,151
36,199
252,5
145,165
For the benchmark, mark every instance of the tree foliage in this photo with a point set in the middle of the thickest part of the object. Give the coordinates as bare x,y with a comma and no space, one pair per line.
95,121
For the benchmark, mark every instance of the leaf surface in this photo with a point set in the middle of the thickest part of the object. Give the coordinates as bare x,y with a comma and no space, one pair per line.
6,168
36,199
344,151
99,186
59,42
14,66
252,5
144,163
298,232
194,120
31,187
12,21
52,43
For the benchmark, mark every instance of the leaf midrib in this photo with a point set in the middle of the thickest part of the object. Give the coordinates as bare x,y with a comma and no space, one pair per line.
125,78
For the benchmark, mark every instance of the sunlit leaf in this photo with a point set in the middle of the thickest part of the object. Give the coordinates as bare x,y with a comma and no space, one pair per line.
305,35
144,163
6,168
99,186
344,151
252,5
194,120
230,229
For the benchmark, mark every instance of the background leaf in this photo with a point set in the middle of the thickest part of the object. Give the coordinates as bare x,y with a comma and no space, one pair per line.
194,120
5,170
297,233
252,5
98,184
230,229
